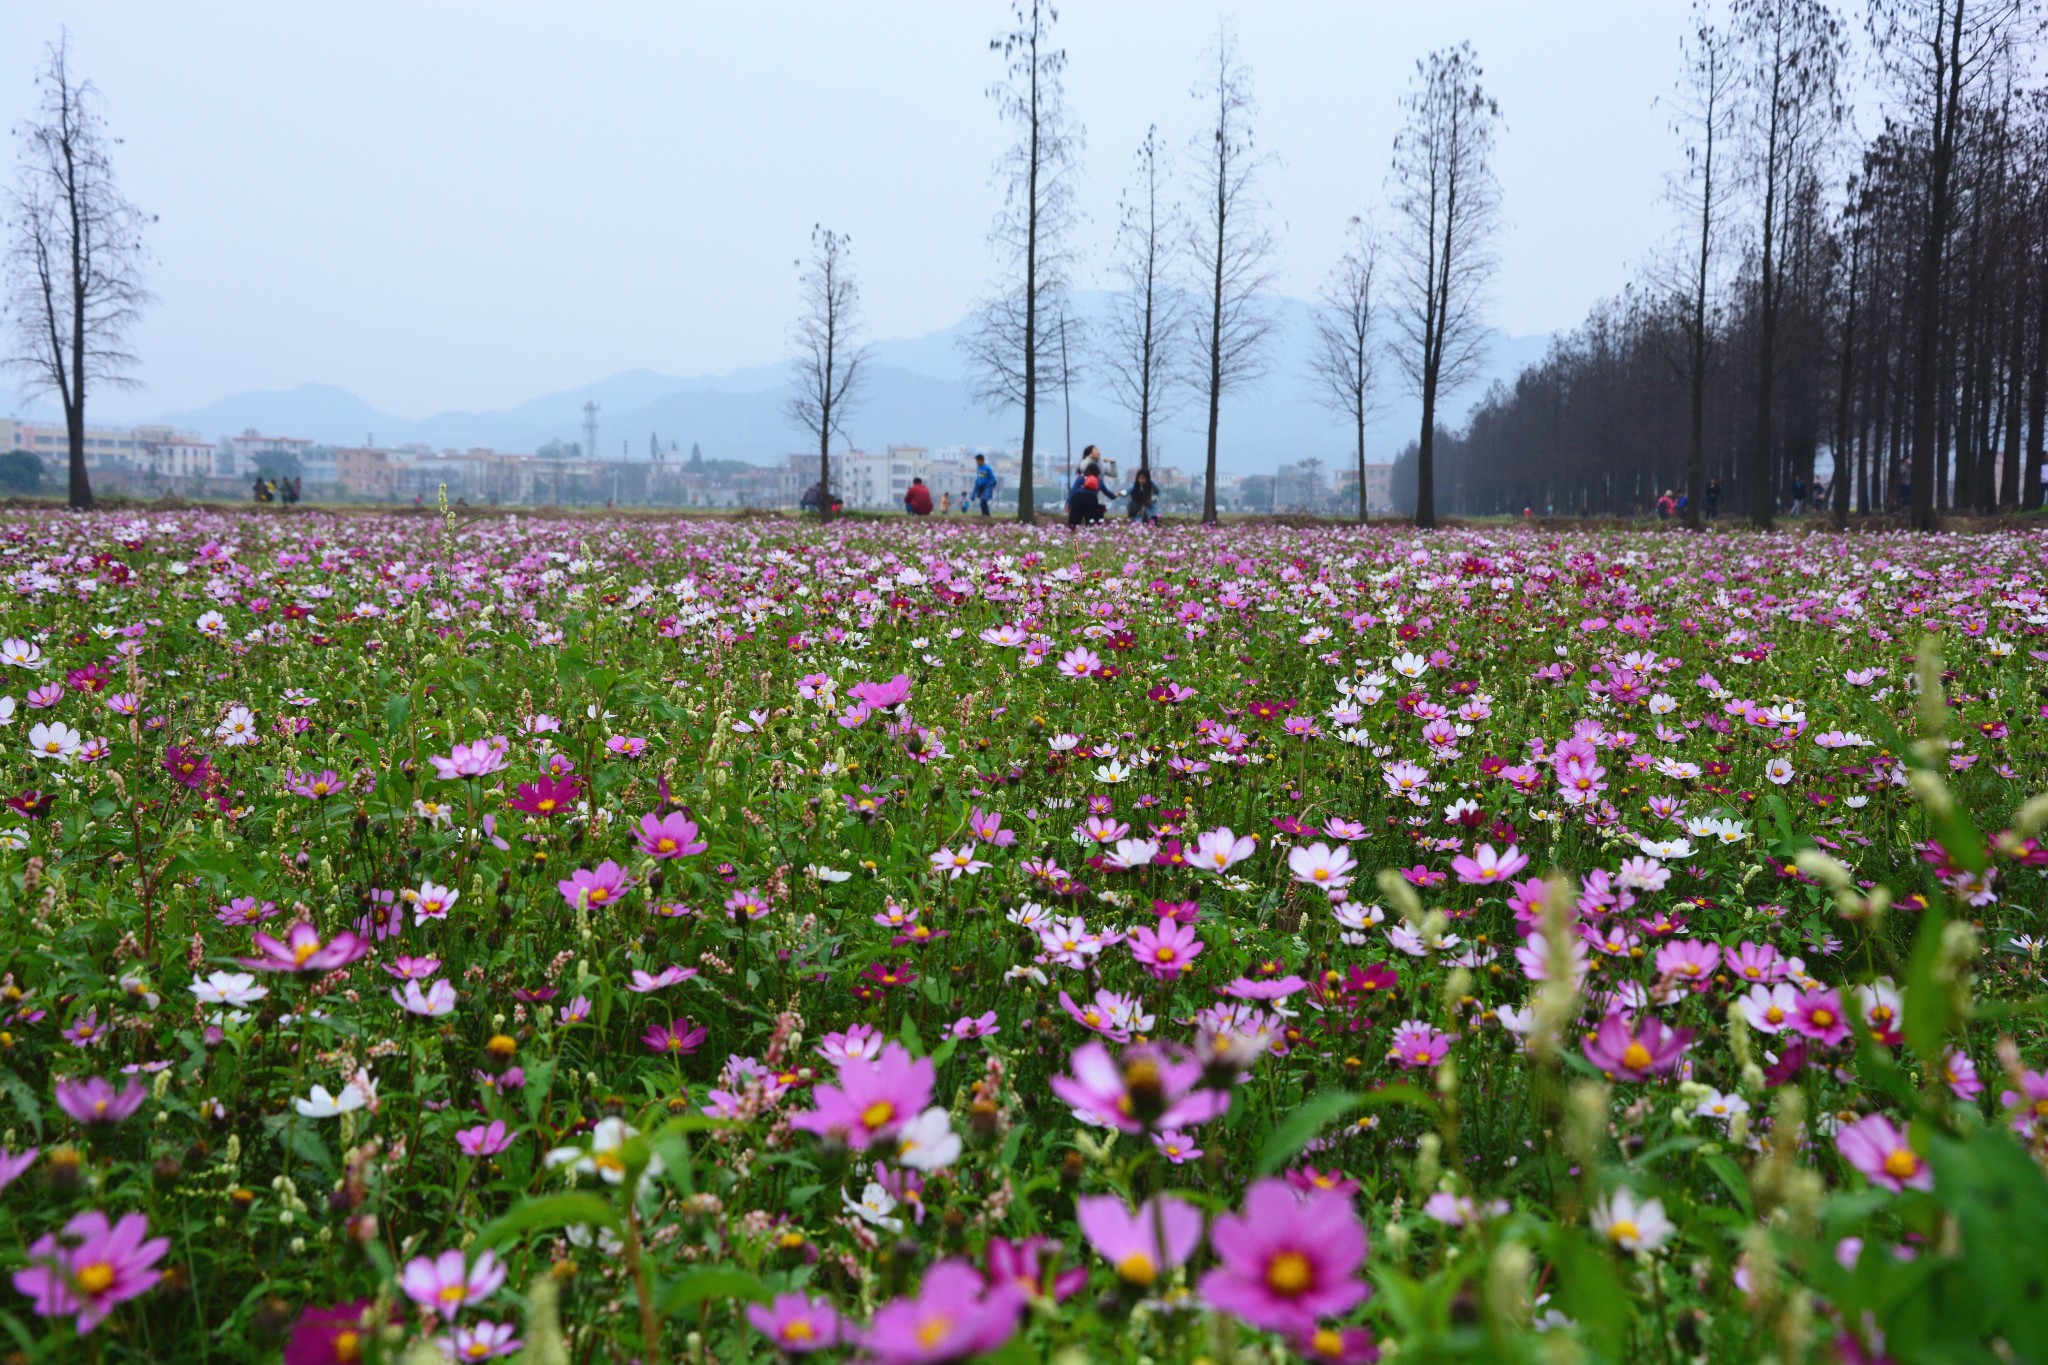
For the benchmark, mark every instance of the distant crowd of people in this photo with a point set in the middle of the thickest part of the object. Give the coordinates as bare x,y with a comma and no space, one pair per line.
286,491
1086,495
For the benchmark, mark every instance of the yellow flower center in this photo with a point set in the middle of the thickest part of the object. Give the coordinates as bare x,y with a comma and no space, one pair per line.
1163,954
1289,1273
1901,1164
453,1293
933,1330
877,1114
1137,1268
1621,1232
598,895
797,1331
545,805
1327,1342
1636,1058
665,845
348,1345
96,1278
1823,1018
304,951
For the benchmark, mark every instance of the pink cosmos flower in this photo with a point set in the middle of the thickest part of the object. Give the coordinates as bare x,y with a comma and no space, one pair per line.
1689,961
1877,1147
672,836
872,1100
437,1001
486,1139
1321,866
1168,951
675,1040
626,746
12,1164
988,828
1288,1259
1755,962
1770,1009
975,1026
303,951
1626,1052
1416,1044
477,759
1022,1263
882,695
1154,1087
1821,1017
643,983
93,1100
796,1323
1486,867
1177,1147
1142,1245
1219,850
92,1268
597,887
446,1285
480,1341
956,864
953,1316
407,968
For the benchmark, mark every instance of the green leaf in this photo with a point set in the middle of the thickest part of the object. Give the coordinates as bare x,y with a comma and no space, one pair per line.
2000,1199
24,1100
395,712
688,1290
1300,1126
567,1210
1927,1005
1723,1166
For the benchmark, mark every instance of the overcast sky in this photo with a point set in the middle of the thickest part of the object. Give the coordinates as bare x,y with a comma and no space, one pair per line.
457,205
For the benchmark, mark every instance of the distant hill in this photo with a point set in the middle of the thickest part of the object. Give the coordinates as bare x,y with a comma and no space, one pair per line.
917,393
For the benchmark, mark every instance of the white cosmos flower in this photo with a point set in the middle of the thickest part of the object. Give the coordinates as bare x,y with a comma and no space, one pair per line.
928,1142
1409,665
826,874
20,653
325,1106
1665,848
1632,1225
1112,772
54,740
6,710
229,988
602,1157
874,1207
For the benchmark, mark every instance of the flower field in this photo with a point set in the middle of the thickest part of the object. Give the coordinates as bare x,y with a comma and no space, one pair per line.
622,940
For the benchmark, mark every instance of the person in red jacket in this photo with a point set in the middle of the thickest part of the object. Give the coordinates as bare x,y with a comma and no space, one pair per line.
917,499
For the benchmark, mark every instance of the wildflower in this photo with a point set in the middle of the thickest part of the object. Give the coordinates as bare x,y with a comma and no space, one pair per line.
1820,1015
674,1039
94,1267
229,988
329,1336
1219,850
974,1026
871,1101
643,984
477,759
1320,865
322,1105
546,797
479,1341
436,1002
1167,951
12,1164
303,951
593,888
876,1207
1287,1260
1630,1224
928,1142
671,836
93,1100
54,740
1142,1244
604,1157
1878,1148
1626,1052
796,1323
955,865
486,1139
952,1317
1416,1045
444,1284
1154,1087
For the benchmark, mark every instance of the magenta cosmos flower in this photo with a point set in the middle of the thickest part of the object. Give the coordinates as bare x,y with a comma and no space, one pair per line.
594,888
1877,1147
880,695
672,836
796,1323
486,1139
1486,867
446,1284
675,1039
92,1267
1416,1044
954,1316
1630,1053
303,950
470,760
1145,1244
1154,1086
872,1099
1821,1016
1288,1259
94,1100
1168,951
546,797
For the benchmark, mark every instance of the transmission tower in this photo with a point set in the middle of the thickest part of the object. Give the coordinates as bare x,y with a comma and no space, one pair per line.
590,430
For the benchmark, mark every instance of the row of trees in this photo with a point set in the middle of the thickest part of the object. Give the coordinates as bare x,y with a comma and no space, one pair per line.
1865,322
1191,318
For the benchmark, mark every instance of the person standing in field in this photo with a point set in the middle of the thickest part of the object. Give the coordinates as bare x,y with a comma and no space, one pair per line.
984,484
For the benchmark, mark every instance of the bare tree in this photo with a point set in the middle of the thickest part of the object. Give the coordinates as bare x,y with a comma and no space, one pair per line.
1790,56
1011,345
74,266
1144,331
1449,205
1938,52
1345,361
1231,249
830,364
1704,109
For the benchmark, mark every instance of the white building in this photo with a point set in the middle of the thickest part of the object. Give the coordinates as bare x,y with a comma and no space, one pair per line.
238,454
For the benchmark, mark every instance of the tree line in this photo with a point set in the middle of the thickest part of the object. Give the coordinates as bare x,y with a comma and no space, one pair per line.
1861,321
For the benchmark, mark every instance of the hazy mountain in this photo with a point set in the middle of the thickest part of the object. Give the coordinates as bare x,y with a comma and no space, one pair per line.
917,393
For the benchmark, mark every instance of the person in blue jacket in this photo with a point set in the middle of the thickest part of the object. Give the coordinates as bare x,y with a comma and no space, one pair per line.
984,483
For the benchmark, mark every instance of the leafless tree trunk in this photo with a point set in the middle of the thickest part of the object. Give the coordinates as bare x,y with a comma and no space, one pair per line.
829,364
1011,344
1449,204
1704,108
1230,245
1345,361
1937,51
1143,338
74,266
